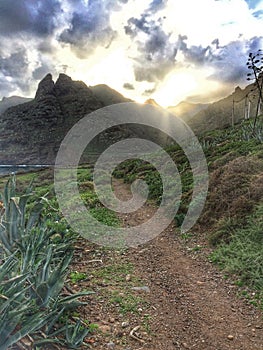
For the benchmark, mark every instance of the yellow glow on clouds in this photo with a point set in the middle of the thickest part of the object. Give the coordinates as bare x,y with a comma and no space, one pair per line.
202,21
179,84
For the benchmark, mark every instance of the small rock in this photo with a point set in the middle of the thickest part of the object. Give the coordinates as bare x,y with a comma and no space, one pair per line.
230,337
119,334
105,329
200,283
142,289
111,345
125,324
111,320
128,278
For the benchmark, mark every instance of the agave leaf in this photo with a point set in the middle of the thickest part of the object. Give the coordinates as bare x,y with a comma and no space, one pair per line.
7,266
59,273
6,328
34,216
44,295
73,297
53,321
75,334
34,323
4,238
46,341
14,280
45,270
16,298
13,221
73,305
22,207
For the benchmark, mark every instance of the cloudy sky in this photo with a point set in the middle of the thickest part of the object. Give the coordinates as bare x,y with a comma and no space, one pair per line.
168,50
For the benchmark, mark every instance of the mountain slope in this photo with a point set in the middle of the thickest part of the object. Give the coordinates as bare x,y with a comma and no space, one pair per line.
187,110
8,102
223,113
107,95
33,131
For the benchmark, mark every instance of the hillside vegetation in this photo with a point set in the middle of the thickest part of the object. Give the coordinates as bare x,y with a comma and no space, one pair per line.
232,218
38,286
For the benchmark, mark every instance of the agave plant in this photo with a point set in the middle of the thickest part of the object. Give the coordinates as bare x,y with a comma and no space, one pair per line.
32,275
14,223
253,131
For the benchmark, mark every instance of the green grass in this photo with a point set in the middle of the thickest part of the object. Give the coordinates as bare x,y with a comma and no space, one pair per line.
76,277
105,216
126,302
243,255
238,250
114,273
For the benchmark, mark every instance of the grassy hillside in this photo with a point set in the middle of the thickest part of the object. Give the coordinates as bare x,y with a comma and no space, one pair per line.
226,111
232,218
187,110
231,222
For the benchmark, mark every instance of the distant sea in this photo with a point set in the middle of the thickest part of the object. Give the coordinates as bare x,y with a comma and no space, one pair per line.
13,169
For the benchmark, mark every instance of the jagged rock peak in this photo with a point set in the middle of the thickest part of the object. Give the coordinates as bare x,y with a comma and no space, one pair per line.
45,87
63,79
66,86
152,102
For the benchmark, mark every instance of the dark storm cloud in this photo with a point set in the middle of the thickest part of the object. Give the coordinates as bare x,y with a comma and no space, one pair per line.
157,52
89,25
149,92
157,5
6,86
135,25
128,86
255,43
14,72
258,14
36,17
230,60
153,72
43,69
197,54
15,64
46,47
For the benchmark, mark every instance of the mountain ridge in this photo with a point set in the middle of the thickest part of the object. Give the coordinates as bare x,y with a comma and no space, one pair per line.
31,132
12,101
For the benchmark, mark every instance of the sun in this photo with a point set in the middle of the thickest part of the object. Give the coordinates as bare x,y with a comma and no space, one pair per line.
175,87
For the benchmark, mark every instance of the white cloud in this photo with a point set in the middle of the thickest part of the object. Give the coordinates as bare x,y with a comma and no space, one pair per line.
205,20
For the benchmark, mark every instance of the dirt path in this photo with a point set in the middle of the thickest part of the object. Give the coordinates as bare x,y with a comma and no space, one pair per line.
193,306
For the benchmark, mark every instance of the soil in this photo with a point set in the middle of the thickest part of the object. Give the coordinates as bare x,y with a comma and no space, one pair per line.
185,302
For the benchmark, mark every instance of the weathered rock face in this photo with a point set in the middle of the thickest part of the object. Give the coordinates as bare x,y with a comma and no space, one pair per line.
45,88
32,132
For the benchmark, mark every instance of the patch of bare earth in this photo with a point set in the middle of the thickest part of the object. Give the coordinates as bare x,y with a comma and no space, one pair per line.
187,303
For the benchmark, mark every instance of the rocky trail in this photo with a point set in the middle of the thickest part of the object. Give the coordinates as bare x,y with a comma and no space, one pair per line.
187,302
